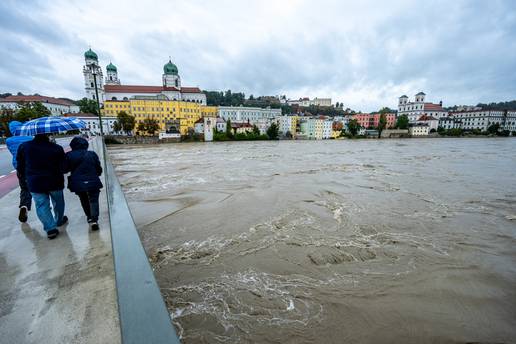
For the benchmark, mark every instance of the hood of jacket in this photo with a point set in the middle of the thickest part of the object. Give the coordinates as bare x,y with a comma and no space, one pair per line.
78,143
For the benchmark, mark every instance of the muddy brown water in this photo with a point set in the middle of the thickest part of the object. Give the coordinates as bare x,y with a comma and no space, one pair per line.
366,241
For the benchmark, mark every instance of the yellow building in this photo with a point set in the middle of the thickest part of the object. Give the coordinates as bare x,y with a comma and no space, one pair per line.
166,112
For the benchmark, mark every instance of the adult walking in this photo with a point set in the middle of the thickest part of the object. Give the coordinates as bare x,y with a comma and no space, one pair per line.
85,169
13,143
42,161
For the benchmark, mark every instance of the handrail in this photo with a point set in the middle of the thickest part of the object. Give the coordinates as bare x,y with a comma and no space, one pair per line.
144,317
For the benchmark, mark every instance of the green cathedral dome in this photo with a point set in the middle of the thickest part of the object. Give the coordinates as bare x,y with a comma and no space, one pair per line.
170,68
111,67
90,54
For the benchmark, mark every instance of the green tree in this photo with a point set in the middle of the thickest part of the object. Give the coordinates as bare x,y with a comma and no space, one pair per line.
256,131
6,116
126,121
117,126
382,123
353,126
402,122
273,132
229,131
385,110
31,110
149,125
493,128
88,106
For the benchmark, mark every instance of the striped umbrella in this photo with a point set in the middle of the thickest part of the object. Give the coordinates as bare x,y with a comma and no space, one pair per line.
48,125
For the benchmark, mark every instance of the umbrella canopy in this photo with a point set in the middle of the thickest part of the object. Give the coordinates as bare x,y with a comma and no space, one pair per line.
49,125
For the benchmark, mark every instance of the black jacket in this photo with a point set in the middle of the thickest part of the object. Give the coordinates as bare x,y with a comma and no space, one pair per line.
84,166
41,161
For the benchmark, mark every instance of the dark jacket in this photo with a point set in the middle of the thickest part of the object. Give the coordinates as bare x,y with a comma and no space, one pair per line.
84,166
41,162
14,142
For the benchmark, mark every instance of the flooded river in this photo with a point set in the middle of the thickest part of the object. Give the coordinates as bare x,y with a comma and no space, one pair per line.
363,241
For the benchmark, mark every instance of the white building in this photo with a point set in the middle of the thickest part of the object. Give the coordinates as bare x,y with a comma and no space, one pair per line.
206,126
220,125
449,123
327,129
287,124
482,119
113,90
312,128
247,114
56,106
93,124
418,130
414,110
432,122
305,102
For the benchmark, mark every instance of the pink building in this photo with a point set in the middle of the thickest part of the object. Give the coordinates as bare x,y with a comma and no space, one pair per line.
370,121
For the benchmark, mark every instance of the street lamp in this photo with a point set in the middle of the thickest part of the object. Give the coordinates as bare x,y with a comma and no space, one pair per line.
94,72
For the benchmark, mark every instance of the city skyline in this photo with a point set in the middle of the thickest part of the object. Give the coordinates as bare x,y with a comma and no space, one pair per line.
364,55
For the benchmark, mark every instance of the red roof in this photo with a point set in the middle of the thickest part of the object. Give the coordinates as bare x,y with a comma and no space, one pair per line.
433,107
43,99
427,118
147,89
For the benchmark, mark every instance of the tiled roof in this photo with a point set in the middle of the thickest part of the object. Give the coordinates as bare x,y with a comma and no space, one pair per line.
433,107
427,118
137,89
43,99
147,89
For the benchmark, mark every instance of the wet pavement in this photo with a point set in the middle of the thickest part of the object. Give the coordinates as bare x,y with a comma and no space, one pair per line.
56,291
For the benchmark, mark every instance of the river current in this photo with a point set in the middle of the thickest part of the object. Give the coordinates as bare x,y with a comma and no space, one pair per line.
345,241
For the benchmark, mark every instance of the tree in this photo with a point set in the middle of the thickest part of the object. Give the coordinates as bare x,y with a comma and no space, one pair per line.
126,122
382,123
6,116
385,110
256,131
88,106
31,110
353,126
229,130
402,122
273,132
493,128
117,126
149,125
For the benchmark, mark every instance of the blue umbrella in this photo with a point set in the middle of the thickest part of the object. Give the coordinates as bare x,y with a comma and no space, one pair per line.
49,125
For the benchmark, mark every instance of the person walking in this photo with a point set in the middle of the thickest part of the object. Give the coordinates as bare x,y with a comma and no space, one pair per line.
84,180
41,161
13,143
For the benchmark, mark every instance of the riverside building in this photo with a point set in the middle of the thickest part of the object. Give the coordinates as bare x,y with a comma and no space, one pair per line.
56,106
112,89
482,119
414,110
247,114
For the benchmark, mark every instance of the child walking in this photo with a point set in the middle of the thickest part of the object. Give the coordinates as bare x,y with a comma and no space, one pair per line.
84,180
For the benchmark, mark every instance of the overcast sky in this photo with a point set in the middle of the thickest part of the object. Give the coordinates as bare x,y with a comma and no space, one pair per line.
363,53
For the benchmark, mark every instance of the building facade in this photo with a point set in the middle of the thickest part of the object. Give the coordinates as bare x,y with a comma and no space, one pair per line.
247,114
288,124
419,130
482,119
417,108
56,106
170,115
371,121
306,102
93,124
170,88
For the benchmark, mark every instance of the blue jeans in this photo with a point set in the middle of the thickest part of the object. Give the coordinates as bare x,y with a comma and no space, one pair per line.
44,212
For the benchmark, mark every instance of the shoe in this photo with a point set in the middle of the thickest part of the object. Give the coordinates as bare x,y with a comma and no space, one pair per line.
52,234
23,214
63,222
94,226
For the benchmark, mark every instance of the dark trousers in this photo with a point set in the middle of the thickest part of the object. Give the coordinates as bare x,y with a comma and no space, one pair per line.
25,196
90,204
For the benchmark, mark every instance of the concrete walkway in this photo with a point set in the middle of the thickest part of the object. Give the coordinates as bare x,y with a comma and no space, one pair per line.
56,291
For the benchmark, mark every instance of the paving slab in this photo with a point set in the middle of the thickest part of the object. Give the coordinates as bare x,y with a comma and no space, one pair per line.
56,291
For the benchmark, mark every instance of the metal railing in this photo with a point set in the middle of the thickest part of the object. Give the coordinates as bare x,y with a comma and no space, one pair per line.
144,317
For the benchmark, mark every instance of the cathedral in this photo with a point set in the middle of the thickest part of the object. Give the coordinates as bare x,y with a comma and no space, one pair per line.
110,88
